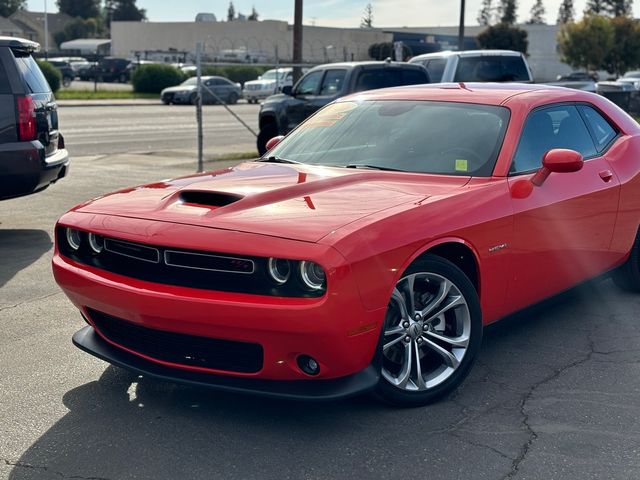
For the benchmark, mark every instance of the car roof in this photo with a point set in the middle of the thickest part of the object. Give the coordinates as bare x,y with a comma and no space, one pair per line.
360,64
19,44
481,93
467,53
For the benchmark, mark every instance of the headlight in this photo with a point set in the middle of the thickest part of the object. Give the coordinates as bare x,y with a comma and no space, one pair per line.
96,242
73,238
312,275
280,270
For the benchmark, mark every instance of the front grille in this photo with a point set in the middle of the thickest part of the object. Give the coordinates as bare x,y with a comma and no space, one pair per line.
178,348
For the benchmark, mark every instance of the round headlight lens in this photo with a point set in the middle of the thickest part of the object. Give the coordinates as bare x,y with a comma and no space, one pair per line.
280,270
73,238
96,242
312,275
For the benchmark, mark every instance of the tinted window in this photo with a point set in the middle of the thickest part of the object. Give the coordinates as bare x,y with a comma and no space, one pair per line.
603,133
435,68
389,77
549,128
309,84
500,68
4,81
33,77
333,81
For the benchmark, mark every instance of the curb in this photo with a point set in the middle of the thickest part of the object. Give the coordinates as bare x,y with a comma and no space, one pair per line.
79,103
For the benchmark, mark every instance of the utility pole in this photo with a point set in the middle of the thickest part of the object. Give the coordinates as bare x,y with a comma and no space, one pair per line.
461,27
46,32
297,41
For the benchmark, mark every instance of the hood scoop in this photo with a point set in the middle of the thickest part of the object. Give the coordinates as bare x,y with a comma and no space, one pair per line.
208,199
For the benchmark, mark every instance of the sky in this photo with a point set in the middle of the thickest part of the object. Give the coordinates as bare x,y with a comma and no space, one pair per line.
336,13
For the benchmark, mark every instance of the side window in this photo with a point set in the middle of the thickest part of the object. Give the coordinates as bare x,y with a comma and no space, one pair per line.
333,81
603,133
549,128
309,84
435,68
4,81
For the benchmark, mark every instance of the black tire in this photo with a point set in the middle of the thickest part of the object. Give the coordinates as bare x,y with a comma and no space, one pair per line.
232,99
627,276
461,324
267,132
122,78
193,99
66,81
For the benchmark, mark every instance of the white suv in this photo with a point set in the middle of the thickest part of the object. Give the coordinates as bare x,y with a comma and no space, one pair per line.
267,84
476,66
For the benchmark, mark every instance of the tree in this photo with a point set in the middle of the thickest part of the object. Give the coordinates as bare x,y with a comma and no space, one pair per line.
79,8
124,11
484,15
586,44
625,51
80,28
537,14
596,7
507,11
619,8
504,37
565,12
367,18
231,13
9,7
382,51
254,15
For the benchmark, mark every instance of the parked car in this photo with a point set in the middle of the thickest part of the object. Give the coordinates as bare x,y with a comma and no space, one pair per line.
214,90
578,80
32,153
367,250
269,83
66,70
110,69
280,114
476,66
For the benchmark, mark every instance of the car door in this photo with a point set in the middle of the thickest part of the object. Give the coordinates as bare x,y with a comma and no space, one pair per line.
563,228
305,91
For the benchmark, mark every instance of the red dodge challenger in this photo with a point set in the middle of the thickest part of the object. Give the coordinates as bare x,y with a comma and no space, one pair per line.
367,249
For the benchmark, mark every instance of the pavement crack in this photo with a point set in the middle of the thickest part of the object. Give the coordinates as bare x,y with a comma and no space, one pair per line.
29,466
480,445
526,425
30,300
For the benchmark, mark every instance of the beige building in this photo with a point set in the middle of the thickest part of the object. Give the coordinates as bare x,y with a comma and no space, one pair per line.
267,40
32,24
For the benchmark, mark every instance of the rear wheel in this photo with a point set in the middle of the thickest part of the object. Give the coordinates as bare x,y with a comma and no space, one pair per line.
193,99
267,132
232,98
431,335
627,276
66,81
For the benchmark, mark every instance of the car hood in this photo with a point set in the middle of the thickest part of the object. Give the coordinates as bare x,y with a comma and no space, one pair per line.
299,202
180,88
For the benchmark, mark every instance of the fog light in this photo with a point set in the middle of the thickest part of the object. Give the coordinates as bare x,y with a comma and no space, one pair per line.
280,270
73,238
96,242
308,365
312,275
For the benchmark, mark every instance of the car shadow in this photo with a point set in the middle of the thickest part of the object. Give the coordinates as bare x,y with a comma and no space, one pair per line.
126,426
19,249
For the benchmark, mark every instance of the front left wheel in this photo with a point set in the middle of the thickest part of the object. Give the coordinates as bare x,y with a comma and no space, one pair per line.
431,335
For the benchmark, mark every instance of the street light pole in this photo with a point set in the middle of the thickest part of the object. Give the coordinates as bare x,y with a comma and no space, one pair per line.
461,27
46,32
297,41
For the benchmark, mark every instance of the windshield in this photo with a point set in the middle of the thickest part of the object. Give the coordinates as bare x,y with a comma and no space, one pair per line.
190,81
273,75
634,75
414,136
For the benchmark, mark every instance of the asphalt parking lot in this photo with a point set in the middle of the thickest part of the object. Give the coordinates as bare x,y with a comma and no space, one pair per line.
555,393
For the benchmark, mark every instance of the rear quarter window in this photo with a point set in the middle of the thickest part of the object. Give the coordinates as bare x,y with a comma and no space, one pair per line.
498,68
5,88
31,74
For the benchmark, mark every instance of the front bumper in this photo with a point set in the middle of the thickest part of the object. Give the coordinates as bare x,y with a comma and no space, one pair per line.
364,381
335,329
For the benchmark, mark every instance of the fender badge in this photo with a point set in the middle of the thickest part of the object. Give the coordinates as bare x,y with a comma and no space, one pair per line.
497,247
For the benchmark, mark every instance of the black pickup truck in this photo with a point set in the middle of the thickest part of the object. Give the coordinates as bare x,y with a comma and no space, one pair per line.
32,153
279,114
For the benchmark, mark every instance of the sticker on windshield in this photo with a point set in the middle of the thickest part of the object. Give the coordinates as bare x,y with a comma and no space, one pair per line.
329,116
462,165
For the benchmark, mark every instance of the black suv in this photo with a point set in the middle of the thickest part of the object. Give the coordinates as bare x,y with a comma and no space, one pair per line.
111,69
323,84
32,153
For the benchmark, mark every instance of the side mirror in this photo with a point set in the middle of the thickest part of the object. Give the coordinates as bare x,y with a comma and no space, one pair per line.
273,142
287,90
559,160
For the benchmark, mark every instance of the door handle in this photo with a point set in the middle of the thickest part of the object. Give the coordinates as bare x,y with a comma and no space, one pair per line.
606,175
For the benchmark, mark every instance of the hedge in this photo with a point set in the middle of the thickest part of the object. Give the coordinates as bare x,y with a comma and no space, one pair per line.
52,74
153,78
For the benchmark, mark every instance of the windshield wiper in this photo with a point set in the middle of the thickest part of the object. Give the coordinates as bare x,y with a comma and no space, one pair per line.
274,159
372,167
